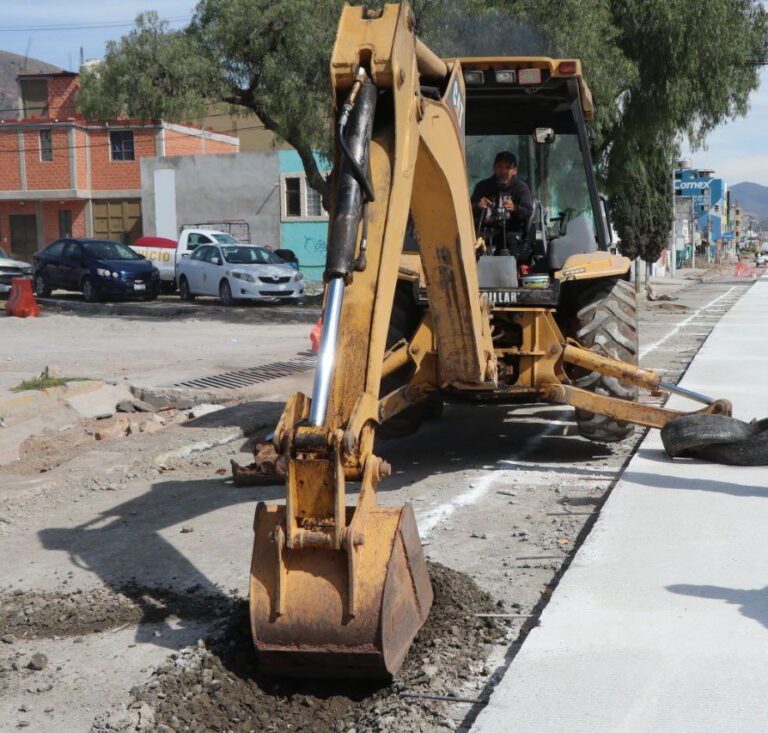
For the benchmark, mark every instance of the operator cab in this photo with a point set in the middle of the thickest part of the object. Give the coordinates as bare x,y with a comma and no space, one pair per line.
535,108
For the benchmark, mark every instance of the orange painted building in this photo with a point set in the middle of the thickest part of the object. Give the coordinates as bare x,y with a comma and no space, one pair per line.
61,175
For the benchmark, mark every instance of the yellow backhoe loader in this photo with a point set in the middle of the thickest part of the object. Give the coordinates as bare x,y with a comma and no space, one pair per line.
420,308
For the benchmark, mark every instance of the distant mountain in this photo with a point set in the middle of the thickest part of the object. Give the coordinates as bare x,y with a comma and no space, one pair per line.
752,197
11,64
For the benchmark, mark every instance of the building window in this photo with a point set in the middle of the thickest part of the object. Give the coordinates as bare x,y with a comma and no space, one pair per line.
65,223
34,97
46,145
293,197
300,200
121,145
314,202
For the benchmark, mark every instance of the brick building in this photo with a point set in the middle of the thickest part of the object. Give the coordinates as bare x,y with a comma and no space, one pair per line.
62,175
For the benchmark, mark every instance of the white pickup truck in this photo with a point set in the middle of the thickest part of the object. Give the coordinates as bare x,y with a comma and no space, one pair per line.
165,253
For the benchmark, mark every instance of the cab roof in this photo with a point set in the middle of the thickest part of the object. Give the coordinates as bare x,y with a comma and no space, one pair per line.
515,108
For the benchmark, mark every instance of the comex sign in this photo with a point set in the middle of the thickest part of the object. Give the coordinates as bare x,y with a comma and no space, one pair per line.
688,185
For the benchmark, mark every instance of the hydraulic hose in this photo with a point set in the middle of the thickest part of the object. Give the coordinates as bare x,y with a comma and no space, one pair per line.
353,188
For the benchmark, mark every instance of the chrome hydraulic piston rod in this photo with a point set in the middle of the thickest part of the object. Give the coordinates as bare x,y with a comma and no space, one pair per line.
326,355
690,394
353,190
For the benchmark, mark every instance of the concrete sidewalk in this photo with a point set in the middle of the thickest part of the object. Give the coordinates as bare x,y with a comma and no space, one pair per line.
661,622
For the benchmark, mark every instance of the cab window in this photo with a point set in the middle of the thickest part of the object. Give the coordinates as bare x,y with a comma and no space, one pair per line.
56,249
73,251
200,253
212,255
197,239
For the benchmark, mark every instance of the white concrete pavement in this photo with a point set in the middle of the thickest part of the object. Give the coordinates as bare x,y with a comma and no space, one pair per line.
661,622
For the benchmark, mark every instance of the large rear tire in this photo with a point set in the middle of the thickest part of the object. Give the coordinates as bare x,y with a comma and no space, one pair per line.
405,319
605,321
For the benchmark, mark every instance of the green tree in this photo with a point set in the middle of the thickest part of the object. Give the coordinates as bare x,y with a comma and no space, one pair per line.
271,57
659,70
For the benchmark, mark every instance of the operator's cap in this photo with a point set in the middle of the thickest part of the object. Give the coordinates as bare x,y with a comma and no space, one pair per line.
505,157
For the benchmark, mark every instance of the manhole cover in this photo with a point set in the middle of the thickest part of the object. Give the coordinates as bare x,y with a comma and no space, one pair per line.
255,375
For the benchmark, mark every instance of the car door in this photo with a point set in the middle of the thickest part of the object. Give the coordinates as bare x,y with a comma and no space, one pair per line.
212,269
71,266
191,267
49,263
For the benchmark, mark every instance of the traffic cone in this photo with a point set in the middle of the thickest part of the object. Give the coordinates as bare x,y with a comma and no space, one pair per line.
314,335
21,301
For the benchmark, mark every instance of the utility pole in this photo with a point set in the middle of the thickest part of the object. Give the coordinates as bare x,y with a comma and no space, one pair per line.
671,252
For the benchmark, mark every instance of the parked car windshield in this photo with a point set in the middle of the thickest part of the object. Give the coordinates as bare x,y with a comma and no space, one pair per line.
225,239
3,253
109,251
245,255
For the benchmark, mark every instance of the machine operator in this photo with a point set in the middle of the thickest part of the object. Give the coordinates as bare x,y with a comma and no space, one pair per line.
502,205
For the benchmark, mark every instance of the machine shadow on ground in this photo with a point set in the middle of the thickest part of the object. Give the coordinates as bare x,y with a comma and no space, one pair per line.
694,484
125,547
752,603
485,437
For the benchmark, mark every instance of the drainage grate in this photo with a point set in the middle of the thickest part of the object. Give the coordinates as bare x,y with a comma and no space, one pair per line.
255,375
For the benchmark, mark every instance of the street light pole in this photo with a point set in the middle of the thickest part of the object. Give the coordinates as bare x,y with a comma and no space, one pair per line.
672,253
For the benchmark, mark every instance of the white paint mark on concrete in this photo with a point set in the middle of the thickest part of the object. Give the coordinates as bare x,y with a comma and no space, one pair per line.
478,488
652,347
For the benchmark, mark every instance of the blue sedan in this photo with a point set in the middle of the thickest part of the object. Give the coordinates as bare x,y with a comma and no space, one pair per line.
95,267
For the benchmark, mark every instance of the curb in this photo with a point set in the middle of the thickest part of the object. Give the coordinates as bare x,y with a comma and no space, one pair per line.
159,309
164,460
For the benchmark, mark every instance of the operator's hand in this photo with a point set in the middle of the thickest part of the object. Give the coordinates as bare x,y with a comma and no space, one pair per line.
509,204
484,203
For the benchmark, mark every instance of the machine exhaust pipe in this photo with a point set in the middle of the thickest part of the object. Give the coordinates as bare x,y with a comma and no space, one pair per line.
353,190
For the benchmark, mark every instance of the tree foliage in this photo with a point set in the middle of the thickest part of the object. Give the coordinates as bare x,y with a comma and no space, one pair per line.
659,70
268,56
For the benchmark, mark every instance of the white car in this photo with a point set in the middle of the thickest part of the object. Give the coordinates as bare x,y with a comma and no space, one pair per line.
237,272
9,269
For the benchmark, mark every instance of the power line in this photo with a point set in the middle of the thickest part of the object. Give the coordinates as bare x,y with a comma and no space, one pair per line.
34,120
84,26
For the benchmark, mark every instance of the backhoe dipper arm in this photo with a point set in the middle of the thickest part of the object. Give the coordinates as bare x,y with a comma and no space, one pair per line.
347,587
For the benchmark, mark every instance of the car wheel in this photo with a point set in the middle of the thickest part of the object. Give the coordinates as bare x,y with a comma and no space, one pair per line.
184,292
225,293
42,288
90,294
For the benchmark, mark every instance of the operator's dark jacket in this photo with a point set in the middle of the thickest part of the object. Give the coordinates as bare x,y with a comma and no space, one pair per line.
519,192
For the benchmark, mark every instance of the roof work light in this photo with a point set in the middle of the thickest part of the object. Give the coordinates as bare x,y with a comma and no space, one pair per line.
529,76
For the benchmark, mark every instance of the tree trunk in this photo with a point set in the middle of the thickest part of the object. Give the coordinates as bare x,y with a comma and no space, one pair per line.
321,183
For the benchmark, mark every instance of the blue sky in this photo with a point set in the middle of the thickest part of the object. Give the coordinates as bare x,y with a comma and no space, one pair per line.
736,150
62,47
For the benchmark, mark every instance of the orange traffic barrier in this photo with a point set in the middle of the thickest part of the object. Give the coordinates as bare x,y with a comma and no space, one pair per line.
314,335
21,300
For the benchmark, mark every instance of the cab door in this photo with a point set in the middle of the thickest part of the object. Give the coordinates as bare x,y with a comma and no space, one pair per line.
212,270
72,266
192,268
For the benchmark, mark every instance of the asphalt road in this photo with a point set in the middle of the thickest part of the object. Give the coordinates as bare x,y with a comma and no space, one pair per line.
502,494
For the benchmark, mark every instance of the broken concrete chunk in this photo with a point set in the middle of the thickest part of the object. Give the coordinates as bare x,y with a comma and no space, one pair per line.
38,662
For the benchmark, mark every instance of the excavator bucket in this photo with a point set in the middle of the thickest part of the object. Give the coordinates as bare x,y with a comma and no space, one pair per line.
299,598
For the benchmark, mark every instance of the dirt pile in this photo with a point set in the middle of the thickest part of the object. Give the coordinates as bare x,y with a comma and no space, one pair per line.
44,615
214,686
